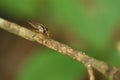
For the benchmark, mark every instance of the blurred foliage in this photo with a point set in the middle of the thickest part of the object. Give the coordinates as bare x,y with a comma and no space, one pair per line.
94,20
17,8
52,66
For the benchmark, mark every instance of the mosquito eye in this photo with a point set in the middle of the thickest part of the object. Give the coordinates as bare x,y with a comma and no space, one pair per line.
44,31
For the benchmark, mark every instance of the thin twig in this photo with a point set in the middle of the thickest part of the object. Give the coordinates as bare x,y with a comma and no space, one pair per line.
90,72
109,71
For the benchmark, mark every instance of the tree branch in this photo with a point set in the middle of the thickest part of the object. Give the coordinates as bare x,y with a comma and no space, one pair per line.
109,71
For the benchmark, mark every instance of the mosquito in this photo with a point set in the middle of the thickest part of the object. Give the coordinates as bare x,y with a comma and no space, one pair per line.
40,27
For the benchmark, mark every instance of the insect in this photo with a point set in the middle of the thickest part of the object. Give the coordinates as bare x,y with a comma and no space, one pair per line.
40,27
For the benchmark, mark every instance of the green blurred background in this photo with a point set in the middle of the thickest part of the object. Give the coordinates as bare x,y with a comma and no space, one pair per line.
91,26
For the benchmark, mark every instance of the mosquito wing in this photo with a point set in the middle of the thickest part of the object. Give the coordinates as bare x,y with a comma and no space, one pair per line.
38,26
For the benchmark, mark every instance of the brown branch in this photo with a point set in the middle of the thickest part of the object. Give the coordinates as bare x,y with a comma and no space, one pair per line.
109,71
